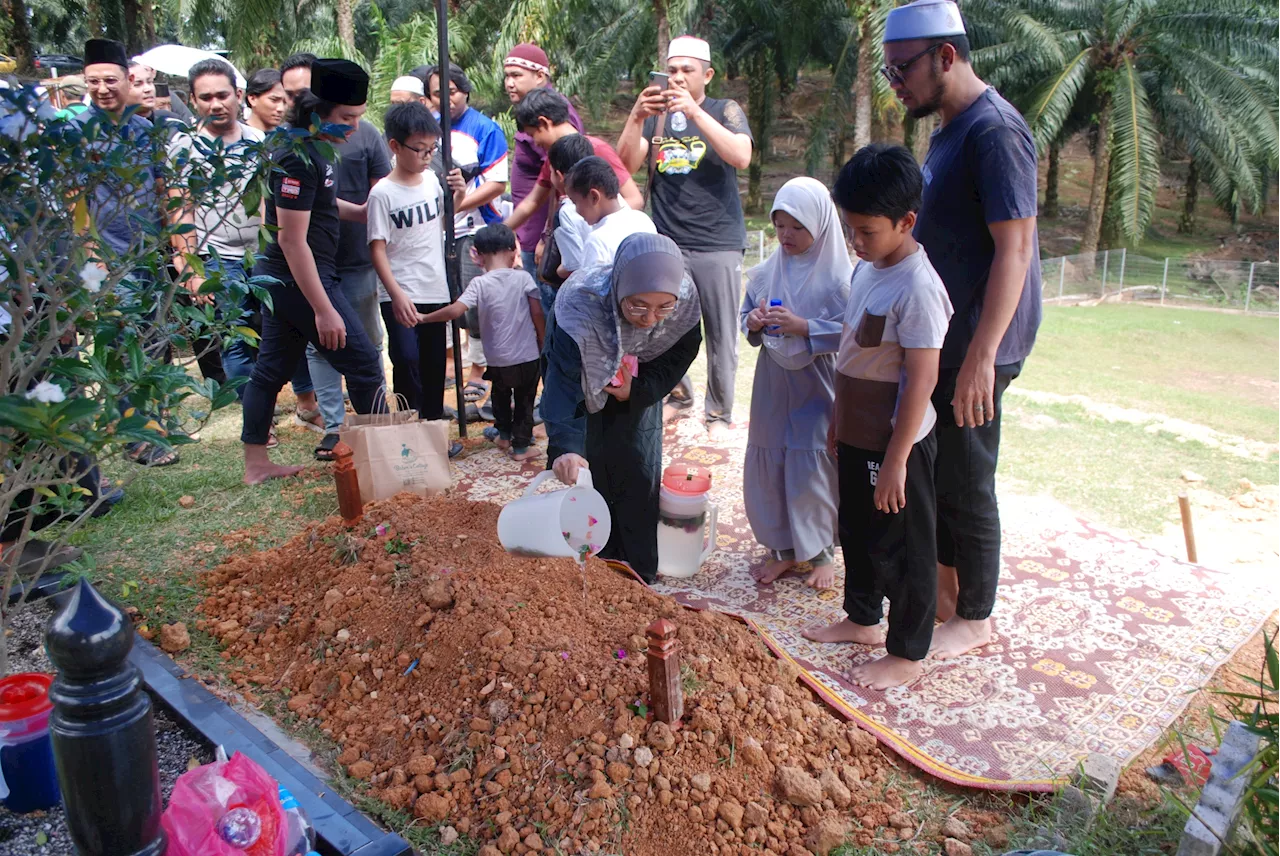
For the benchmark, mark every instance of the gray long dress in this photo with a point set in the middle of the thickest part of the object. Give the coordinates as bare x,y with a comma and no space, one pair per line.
789,482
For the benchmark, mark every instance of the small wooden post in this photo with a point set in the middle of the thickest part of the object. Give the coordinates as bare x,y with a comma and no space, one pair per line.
665,691
1184,505
348,484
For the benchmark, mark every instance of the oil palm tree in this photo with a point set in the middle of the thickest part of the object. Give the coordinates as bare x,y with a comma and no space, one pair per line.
1214,61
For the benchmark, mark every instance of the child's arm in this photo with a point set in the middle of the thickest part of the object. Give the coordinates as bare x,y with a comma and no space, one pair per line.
451,312
539,319
913,402
406,313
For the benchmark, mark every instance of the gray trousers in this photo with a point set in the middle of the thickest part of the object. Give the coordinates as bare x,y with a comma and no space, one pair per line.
718,276
361,290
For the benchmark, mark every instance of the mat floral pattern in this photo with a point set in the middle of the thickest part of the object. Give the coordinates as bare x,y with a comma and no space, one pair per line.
1099,641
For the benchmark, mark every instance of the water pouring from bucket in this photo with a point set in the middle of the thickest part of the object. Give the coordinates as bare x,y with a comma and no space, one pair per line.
571,523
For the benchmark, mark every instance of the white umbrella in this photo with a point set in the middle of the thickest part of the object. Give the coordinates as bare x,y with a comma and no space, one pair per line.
178,59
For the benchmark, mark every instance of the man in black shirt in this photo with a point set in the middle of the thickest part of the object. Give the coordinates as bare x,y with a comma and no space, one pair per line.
308,306
695,146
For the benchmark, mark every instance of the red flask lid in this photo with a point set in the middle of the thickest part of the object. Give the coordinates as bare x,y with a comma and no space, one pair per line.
688,479
24,695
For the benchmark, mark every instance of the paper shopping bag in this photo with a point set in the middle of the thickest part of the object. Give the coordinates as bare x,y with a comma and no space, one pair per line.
394,452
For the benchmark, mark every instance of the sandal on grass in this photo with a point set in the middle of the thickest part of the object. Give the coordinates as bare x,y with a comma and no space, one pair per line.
272,439
309,419
324,452
151,455
475,390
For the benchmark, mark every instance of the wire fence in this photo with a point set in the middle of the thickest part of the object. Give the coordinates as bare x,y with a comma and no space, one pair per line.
1119,275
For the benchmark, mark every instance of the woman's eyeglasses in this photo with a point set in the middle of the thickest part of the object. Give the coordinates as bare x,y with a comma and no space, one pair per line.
898,73
639,310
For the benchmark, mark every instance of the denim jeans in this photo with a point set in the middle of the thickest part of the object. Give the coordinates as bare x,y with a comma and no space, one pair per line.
287,330
546,294
239,357
360,287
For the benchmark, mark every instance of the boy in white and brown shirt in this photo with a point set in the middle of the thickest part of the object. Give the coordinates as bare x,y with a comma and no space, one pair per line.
882,430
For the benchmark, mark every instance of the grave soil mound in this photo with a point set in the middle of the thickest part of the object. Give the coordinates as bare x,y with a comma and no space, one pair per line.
502,697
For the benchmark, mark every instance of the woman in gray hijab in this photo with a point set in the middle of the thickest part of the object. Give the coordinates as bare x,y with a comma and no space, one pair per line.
603,409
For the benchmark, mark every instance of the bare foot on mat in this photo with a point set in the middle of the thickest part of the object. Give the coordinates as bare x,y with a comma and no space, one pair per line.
888,671
845,631
821,577
956,637
527,455
770,572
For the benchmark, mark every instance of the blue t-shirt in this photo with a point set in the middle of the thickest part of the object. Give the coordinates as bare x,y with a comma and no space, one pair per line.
123,205
981,169
475,139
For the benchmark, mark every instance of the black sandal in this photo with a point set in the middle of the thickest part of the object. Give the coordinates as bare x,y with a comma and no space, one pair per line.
324,452
151,455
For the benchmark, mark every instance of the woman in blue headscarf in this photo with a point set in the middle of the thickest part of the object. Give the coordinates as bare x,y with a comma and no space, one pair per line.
645,306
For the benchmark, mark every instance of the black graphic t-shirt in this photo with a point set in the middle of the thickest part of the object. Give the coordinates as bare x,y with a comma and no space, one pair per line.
303,184
695,193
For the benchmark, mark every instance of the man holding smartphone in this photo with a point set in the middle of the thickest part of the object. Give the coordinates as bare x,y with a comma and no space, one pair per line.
695,146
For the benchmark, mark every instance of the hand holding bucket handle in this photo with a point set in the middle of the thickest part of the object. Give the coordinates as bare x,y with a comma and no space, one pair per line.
571,469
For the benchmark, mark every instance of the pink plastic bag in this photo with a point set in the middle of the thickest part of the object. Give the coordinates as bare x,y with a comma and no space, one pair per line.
204,796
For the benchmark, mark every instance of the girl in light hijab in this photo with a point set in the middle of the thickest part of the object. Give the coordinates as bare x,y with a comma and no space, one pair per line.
794,307
619,339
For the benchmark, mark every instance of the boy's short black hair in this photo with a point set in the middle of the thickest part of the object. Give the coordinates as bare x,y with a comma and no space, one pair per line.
494,238
456,76
542,103
298,60
880,180
593,173
412,117
568,150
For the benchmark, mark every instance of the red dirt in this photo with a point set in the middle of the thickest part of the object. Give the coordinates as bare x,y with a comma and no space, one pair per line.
515,725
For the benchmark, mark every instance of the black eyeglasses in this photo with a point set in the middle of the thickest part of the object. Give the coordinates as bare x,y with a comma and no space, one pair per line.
427,152
897,73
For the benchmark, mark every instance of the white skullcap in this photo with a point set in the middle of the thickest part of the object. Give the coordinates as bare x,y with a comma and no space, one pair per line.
923,19
690,46
409,84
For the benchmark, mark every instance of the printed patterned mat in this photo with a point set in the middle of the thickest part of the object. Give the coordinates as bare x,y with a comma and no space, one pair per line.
1099,641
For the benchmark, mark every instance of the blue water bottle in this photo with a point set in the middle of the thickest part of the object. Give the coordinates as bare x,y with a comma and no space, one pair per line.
772,329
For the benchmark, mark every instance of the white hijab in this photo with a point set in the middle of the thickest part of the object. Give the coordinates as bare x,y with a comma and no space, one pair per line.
807,283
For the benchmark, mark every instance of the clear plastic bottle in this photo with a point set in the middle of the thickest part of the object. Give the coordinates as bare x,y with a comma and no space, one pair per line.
773,334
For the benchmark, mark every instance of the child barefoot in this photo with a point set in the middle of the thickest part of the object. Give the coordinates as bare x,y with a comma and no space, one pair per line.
793,306
882,432
512,326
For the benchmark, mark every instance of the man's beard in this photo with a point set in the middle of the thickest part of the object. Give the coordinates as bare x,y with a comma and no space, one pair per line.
934,104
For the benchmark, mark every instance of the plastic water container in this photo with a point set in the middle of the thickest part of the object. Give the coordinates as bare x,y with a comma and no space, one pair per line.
773,329
28,780
573,522
686,520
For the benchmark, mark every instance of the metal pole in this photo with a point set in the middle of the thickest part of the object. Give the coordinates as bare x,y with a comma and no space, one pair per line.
1062,274
1124,252
1106,257
451,264
1164,281
1248,289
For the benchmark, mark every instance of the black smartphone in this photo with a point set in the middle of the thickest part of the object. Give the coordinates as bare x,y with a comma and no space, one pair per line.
660,79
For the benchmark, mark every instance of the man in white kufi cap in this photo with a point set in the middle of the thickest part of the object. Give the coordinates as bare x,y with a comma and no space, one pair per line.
977,221
408,88
694,146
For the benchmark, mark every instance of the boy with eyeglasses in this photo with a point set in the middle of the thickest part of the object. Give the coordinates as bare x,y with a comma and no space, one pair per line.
512,326
406,243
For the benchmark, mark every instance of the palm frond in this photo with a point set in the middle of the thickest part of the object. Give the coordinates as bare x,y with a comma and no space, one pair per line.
1054,98
1135,155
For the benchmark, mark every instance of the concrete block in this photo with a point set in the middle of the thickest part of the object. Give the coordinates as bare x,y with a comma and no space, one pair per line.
1099,775
1221,800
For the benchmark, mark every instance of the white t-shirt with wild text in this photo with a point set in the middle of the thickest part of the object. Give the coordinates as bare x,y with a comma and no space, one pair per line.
408,219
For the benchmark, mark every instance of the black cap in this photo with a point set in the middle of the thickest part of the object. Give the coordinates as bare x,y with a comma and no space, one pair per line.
339,81
105,51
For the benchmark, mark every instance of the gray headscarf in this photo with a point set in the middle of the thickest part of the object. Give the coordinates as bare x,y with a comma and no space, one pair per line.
587,308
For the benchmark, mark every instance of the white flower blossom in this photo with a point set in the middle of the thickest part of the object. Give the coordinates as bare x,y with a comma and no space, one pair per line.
49,393
92,276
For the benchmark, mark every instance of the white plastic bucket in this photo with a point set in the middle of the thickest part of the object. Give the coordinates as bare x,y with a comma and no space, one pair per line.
572,523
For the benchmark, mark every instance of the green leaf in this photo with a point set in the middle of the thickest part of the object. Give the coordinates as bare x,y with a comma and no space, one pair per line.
42,838
1135,155
247,332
